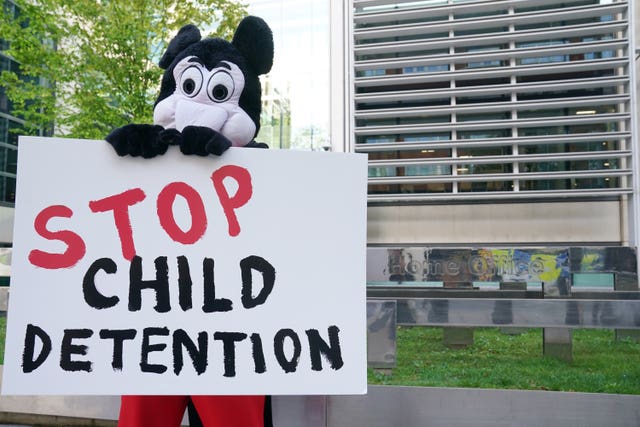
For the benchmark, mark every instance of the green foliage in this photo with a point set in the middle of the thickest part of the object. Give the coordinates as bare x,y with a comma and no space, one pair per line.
601,364
495,360
97,58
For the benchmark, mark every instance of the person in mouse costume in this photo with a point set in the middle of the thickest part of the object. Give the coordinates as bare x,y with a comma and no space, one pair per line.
210,100
210,96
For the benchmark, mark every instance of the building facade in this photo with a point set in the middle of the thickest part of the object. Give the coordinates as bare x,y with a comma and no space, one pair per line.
10,126
507,123
488,123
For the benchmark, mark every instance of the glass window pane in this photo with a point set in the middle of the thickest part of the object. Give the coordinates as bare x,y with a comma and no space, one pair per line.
296,91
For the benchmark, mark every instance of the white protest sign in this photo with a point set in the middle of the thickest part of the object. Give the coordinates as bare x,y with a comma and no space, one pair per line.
238,274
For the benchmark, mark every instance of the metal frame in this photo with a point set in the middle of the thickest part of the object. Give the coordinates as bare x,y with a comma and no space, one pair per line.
530,313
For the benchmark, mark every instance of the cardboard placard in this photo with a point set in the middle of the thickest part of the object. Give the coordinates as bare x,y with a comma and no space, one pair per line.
238,274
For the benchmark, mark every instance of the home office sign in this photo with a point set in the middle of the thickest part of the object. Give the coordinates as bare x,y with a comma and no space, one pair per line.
239,274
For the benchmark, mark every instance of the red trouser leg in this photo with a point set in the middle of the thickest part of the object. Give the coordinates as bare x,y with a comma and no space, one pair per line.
214,411
152,411
230,411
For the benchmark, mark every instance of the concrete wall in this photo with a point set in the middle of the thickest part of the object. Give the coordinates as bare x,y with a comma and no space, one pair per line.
495,224
6,224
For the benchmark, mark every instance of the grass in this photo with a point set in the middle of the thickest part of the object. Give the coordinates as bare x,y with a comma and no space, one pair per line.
495,360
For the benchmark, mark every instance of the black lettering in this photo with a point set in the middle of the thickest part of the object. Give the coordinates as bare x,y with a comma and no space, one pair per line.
160,285
118,336
147,348
291,364
254,262
67,349
229,340
92,296
184,284
331,351
259,364
198,354
29,364
211,304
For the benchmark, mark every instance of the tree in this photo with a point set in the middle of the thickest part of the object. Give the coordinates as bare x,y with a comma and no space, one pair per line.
89,66
312,137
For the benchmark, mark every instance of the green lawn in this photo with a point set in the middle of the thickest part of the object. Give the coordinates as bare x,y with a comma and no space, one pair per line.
495,360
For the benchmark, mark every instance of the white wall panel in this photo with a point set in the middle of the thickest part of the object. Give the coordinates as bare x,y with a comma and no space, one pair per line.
6,224
501,223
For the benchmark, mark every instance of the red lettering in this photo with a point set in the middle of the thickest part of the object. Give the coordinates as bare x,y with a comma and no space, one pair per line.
167,197
240,198
119,204
75,245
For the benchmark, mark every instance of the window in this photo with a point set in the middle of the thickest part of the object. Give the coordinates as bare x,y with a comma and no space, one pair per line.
296,90
522,98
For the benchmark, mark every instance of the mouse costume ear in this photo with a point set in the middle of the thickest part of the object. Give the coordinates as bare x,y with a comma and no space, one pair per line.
188,35
254,40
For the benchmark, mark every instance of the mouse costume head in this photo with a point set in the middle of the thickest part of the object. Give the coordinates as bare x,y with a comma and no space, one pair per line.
213,83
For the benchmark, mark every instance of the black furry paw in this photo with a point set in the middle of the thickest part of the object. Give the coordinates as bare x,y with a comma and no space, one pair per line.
203,141
170,136
139,140
254,144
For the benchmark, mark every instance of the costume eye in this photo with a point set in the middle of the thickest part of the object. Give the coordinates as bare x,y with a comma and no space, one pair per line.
220,86
191,81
